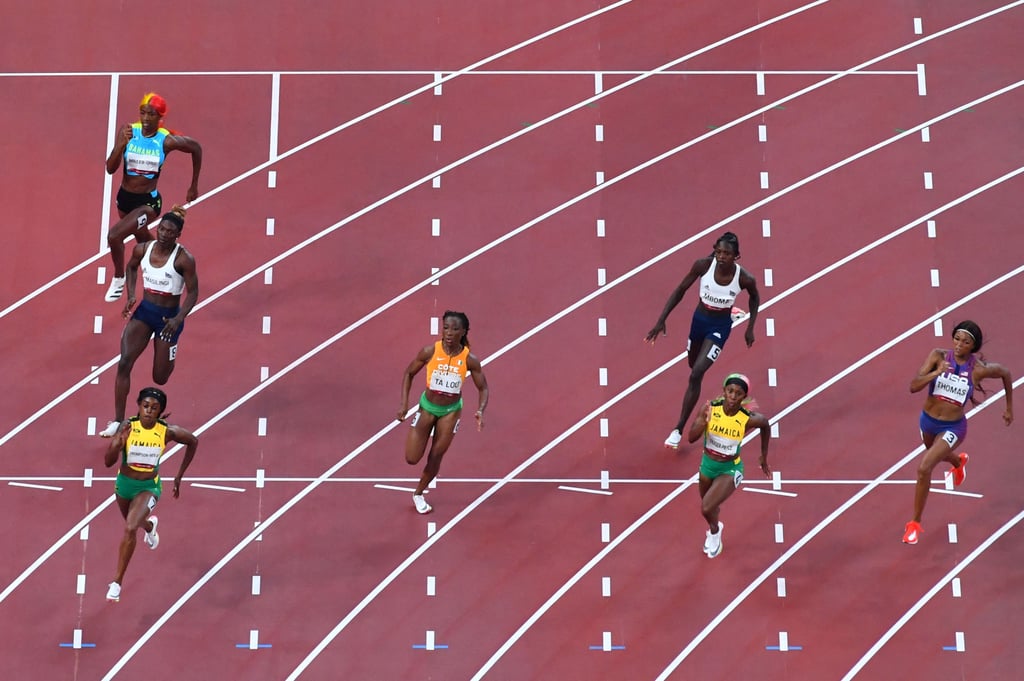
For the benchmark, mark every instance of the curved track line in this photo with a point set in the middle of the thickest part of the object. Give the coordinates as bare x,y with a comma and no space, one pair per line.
832,516
931,593
528,225
316,237
341,463
319,138
71,533
596,412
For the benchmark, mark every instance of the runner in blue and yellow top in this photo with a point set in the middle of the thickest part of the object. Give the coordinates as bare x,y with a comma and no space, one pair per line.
723,423
448,362
143,146
138,446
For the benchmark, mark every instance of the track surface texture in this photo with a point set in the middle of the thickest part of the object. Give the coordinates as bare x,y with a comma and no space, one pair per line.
552,169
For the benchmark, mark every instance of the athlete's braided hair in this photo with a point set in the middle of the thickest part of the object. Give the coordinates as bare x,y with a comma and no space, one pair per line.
176,216
728,238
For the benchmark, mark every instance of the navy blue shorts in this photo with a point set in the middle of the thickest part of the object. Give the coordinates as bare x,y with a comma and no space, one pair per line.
153,316
715,327
953,432
128,201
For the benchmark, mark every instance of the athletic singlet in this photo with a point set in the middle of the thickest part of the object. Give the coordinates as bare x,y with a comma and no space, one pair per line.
714,295
724,434
165,280
145,155
143,449
956,386
446,373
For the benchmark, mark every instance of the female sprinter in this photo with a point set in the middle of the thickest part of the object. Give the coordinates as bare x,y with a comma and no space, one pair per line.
723,422
721,280
447,361
138,446
167,270
951,377
144,147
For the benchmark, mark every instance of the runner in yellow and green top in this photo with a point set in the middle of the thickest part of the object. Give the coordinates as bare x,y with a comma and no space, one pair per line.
138,446
723,423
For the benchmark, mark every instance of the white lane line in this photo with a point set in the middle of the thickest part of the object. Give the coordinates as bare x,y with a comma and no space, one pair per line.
275,113
220,488
710,229
567,488
580,197
768,491
295,363
817,529
913,610
82,526
49,488
294,150
108,179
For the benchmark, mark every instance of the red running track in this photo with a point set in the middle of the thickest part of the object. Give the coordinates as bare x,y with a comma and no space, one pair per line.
562,271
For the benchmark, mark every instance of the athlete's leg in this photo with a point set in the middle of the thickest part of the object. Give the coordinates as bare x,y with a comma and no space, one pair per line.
939,449
444,432
134,340
700,362
711,500
138,512
419,434
134,222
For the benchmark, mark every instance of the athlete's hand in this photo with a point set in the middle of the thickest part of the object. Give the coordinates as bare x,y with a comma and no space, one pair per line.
402,413
177,487
479,420
170,326
125,136
129,305
765,468
749,335
652,335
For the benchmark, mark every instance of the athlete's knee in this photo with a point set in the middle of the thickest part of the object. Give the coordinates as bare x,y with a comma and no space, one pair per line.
924,470
125,364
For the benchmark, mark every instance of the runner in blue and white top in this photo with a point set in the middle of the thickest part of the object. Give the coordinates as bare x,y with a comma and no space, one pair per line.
721,280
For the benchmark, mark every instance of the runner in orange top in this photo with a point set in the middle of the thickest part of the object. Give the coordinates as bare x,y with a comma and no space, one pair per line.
448,362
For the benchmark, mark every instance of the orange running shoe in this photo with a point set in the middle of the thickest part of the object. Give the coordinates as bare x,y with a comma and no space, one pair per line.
912,532
959,473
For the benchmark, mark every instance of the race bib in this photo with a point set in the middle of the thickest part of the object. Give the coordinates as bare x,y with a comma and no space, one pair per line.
722,445
140,163
143,458
952,388
445,382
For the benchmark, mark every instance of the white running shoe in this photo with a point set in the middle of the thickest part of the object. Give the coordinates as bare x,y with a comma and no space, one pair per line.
111,429
115,290
114,592
421,504
713,543
673,439
152,539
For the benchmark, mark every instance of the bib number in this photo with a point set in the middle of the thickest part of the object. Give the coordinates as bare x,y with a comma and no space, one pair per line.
950,438
713,352
444,382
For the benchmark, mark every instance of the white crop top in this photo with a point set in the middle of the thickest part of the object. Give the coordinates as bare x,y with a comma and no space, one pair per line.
166,280
714,295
